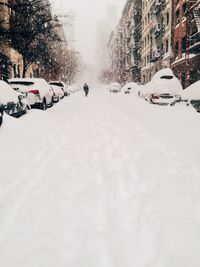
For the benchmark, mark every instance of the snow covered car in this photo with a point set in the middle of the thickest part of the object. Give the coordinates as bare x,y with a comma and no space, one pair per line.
58,93
114,88
191,95
11,102
164,88
38,91
62,85
130,88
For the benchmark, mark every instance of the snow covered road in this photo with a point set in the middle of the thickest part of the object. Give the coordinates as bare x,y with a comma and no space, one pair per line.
99,181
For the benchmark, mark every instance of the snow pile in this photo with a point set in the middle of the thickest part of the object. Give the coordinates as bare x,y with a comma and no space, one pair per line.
192,92
103,181
7,94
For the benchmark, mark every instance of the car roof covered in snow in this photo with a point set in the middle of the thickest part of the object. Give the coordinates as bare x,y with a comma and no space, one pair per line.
56,87
115,84
25,84
164,81
131,84
26,79
163,72
7,94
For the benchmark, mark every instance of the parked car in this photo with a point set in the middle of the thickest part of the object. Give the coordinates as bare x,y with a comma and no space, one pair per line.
11,102
130,88
191,95
38,91
62,85
58,93
114,88
163,89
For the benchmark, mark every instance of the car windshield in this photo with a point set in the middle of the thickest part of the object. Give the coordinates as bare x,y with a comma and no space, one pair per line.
167,77
22,83
57,83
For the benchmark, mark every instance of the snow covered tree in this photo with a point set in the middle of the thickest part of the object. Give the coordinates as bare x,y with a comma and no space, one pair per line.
31,29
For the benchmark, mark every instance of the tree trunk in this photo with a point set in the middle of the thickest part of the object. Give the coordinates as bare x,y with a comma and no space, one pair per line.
24,68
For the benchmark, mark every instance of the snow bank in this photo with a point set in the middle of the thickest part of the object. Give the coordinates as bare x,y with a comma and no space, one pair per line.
192,92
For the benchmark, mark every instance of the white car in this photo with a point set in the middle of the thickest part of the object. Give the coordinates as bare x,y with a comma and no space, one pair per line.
11,102
114,88
58,93
62,85
38,91
191,95
163,89
130,88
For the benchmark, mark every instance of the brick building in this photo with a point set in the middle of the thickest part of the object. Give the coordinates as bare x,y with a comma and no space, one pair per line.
186,63
156,37
124,44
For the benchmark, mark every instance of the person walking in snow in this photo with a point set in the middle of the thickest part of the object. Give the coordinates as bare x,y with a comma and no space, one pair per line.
86,89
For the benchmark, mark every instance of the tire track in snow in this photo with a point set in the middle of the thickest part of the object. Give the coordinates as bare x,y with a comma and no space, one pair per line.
13,199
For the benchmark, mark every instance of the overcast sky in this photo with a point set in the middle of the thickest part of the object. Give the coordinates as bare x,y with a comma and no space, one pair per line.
87,14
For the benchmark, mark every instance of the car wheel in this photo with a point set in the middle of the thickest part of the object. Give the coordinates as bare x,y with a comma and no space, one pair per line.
44,105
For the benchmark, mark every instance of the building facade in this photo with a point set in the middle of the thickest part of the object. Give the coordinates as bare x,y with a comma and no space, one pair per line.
156,49
125,44
4,48
165,35
11,63
186,63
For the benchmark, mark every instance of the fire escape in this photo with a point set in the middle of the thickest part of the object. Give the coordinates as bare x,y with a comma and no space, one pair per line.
192,35
137,16
156,51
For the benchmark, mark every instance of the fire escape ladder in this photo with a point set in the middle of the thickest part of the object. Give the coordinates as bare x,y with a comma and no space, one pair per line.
196,13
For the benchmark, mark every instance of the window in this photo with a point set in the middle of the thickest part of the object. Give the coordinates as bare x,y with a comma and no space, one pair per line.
167,77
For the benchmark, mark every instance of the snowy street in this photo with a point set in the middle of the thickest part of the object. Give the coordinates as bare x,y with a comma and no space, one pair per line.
103,181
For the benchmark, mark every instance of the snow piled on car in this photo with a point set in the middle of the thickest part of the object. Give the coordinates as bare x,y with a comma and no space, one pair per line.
192,92
7,94
164,81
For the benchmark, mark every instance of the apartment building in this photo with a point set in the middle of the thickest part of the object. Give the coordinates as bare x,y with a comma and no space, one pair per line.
156,37
124,44
11,63
4,27
186,63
